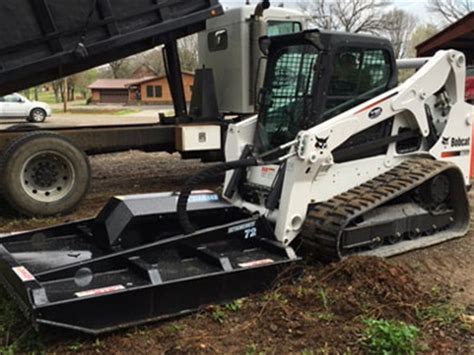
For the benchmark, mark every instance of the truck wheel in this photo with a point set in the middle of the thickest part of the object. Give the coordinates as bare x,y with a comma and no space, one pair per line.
37,115
23,127
44,174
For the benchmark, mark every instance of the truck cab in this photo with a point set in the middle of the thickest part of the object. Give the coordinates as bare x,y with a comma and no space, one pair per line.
470,85
229,46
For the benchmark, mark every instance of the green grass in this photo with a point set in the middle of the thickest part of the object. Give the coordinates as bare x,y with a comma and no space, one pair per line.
390,337
126,112
47,97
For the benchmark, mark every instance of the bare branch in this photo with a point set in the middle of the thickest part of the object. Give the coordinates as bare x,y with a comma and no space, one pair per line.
398,27
347,15
450,10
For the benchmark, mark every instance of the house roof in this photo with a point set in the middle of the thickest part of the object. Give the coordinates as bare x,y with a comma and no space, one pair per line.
117,84
459,35
111,84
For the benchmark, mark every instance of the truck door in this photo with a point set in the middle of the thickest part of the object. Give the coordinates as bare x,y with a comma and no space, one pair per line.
2,104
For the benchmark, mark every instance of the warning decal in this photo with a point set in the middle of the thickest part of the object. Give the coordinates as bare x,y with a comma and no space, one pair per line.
23,273
100,291
257,263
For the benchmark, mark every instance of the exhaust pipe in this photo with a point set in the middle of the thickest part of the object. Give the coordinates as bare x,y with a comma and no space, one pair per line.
261,7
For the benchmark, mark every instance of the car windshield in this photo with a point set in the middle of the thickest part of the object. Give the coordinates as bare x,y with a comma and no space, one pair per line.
470,71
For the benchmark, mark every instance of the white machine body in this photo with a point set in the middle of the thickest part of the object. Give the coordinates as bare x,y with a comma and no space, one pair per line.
311,174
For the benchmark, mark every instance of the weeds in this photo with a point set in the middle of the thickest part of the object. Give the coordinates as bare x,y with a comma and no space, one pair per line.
252,350
390,337
275,297
234,306
75,347
326,316
175,328
443,314
323,298
218,314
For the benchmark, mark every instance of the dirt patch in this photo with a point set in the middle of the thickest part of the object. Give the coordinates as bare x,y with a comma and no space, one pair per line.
390,291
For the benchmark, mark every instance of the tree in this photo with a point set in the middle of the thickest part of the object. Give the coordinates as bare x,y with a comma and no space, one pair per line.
121,68
450,10
420,34
82,81
153,61
398,27
347,15
188,53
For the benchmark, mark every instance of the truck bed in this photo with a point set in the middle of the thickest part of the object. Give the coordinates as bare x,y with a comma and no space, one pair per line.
41,39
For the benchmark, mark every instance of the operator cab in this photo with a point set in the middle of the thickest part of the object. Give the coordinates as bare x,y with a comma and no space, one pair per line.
315,75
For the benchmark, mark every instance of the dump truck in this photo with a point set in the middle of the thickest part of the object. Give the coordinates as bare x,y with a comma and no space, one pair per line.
340,160
45,170
470,85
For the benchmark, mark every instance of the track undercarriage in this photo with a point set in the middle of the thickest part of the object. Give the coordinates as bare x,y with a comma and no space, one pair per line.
417,204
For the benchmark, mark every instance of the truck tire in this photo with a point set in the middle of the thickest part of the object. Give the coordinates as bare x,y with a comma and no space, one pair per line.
23,127
37,115
44,174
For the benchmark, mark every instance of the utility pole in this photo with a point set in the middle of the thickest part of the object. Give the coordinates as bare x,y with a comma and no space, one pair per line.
65,94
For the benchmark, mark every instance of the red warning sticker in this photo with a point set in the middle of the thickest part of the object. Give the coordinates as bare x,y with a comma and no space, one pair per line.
257,263
100,291
23,273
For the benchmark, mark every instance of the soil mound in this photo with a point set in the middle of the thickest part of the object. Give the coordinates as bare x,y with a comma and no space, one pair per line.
389,290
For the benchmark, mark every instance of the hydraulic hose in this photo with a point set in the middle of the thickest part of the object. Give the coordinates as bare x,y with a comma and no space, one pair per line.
200,177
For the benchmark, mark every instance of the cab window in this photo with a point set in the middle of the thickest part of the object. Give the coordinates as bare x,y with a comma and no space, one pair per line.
287,97
358,75
278,28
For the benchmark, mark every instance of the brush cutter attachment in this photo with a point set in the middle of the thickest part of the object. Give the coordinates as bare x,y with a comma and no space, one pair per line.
132,264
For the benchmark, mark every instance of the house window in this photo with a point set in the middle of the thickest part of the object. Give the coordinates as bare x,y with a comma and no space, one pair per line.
149,91
158,91
154,91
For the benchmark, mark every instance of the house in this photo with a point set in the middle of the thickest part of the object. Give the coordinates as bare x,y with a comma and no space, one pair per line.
459,36
152,90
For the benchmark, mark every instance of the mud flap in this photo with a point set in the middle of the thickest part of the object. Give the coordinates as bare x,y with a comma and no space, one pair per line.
131,265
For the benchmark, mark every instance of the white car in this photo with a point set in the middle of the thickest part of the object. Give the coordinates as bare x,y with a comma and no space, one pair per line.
16,105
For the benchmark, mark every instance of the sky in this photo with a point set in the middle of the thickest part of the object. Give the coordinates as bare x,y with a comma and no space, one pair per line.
414,7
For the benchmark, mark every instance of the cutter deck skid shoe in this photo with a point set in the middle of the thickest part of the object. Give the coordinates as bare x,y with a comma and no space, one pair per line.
132,265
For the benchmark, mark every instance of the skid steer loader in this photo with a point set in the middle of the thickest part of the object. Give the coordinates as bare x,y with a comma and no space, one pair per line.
339,161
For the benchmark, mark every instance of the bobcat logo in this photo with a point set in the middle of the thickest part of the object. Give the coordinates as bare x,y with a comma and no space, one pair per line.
322,143
445,141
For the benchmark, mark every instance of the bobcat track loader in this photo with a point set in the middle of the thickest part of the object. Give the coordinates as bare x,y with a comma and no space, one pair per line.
339,161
